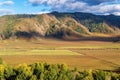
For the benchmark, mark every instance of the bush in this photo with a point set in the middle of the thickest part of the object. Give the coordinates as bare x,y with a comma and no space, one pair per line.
1,61
44,71
7,32
79,30
101,75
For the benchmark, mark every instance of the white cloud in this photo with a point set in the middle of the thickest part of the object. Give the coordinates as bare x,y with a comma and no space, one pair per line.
117,13
104,7
37,1
50,2
76,5
7,3
5,11
42,12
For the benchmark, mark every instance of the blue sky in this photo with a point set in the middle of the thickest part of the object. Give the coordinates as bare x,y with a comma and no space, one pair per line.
104,7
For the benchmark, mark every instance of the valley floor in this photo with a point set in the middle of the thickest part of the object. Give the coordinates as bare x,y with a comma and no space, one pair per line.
80,54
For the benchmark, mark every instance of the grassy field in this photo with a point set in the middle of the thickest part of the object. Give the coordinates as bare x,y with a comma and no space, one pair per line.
80,54
36,52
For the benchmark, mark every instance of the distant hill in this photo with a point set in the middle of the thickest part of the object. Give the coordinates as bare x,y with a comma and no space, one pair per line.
67,26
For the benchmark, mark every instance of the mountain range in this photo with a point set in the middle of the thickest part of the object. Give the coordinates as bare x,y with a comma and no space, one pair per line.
66,26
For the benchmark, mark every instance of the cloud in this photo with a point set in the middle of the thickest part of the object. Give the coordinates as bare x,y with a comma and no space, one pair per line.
104,9
52,2
41,12
91,6
5,11
55,4
96,2
117,13
7,3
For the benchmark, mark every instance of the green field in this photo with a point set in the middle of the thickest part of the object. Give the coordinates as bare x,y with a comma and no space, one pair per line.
36,52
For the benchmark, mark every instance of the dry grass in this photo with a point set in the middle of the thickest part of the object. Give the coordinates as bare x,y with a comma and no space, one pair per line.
95,55
81,62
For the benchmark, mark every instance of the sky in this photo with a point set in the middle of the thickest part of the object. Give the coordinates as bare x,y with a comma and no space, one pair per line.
99,7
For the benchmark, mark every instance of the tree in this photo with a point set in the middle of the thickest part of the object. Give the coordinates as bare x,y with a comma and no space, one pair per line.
23,72
2,67
8,32
1,61
9,73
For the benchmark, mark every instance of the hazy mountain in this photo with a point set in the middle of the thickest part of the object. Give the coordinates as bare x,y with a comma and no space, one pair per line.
69,26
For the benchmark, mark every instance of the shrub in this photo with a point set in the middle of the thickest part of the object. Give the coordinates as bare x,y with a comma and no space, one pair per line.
101,75
1,61
80,30
44,71
8,32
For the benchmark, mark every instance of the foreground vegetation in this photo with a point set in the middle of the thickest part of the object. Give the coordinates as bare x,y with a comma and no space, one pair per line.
44,71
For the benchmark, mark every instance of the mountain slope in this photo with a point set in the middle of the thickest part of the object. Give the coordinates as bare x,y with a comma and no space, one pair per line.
69,26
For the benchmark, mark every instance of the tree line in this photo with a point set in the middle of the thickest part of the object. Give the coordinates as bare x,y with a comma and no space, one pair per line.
44,71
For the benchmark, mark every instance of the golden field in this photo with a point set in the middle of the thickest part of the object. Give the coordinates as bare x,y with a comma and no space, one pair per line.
80,54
